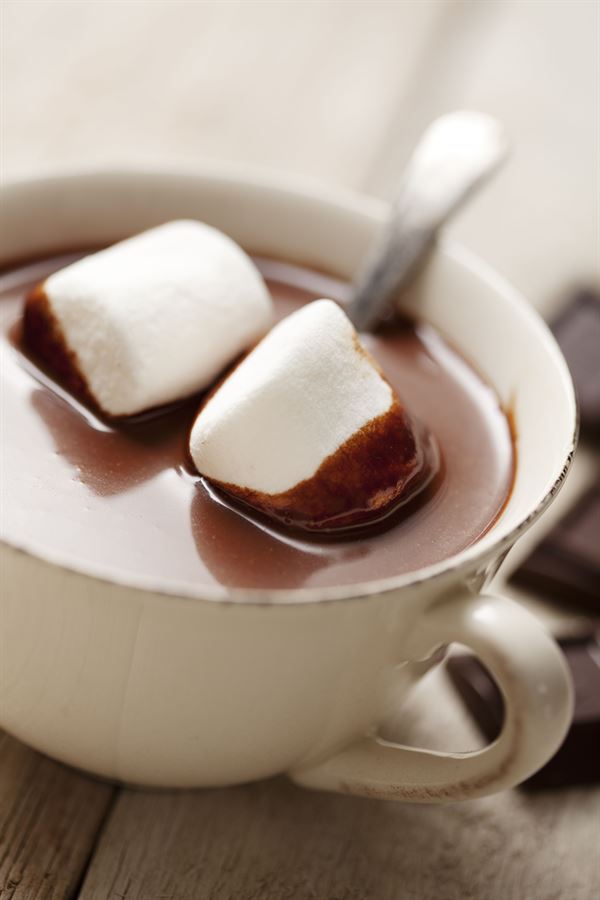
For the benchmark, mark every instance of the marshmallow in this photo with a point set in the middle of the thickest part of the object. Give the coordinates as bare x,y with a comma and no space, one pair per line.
307,429
151,319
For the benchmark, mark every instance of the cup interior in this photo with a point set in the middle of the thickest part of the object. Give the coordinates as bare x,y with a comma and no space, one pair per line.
484,318
505,340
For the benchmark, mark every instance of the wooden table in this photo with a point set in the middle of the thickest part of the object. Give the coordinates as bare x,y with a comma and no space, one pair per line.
337,90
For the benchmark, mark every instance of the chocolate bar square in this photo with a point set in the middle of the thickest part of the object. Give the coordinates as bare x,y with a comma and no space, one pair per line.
565,566
577,330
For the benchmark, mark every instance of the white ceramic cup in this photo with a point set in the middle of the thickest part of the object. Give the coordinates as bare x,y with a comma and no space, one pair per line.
184,686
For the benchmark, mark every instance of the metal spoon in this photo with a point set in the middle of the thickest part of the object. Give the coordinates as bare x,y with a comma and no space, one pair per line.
456,154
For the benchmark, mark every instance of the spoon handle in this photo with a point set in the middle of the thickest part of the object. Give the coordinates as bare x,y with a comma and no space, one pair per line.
456,154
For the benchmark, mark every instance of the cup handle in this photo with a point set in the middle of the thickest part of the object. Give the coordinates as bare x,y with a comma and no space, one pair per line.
532,675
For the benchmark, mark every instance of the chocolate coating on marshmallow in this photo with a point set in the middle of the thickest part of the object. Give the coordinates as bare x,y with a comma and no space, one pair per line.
308,431
150,320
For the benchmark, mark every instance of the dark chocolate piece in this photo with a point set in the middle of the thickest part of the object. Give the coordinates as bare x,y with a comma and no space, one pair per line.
566,565
578,759
577,330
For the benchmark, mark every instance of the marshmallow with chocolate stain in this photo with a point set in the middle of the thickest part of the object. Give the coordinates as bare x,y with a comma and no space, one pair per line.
307,429
149,320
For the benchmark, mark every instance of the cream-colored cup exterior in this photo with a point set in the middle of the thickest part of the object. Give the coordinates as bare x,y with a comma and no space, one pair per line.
184,686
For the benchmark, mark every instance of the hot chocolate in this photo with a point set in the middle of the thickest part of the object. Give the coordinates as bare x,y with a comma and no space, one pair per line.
123,498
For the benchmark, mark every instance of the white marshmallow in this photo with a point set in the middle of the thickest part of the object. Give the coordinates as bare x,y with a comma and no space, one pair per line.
157,317
301,393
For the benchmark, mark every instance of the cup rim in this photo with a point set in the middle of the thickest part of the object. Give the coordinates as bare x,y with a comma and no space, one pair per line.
491,545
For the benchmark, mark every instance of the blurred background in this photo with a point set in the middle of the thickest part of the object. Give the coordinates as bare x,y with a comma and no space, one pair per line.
330,89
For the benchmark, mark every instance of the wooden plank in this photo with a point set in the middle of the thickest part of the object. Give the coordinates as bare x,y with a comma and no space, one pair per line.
272,841
49,819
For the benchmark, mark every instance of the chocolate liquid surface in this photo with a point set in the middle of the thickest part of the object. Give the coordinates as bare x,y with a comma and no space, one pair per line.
124,498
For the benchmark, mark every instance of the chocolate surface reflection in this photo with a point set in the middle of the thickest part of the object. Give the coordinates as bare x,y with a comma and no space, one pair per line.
122,497
118,459
243,550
